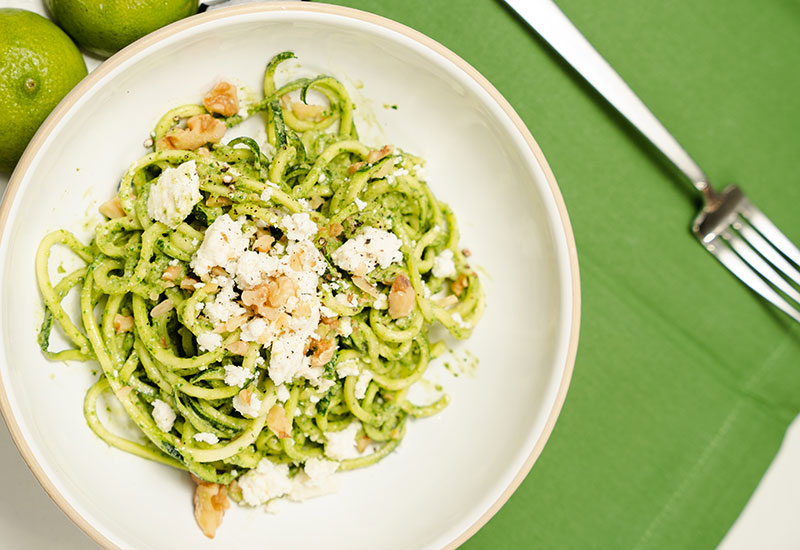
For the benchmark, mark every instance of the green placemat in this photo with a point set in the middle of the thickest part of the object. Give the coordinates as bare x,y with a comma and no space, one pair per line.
685,381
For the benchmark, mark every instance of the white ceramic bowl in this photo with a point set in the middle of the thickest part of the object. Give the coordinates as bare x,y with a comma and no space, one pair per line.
453,471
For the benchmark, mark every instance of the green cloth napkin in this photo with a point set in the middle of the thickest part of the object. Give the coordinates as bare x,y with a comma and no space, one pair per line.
685,381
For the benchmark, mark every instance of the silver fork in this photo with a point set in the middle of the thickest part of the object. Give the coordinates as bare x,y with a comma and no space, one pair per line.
729,226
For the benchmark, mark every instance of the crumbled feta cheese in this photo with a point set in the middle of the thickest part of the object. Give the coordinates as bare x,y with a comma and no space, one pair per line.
326,312
222,245
206,437
268,482
362,384
315,480
248,410
224,307
266,194
173,262
369,249
460,320
347,368
163,415
252,268
288,357
265,482
345,326
381,302
360,204
257,330
342,445
283,393
237,376
209,341
299,227
443,265
199,306
174,194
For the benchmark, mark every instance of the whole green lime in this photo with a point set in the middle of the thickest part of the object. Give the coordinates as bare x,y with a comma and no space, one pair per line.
105,26
39,64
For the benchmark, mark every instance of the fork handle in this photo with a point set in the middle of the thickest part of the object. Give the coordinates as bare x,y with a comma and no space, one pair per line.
552,25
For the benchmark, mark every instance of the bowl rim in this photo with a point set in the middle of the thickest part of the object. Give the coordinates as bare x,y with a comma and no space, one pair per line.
17,176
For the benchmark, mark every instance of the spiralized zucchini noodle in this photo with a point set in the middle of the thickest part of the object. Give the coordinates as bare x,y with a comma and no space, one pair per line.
249,304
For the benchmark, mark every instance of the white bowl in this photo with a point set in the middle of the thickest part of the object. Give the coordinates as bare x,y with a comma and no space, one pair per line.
453,471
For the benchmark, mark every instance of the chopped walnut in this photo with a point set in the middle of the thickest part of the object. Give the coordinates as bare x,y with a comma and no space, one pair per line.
316,202
235,322
355,167
122,323
323,353
171,273
377,154
187,283
210,503
362,442
264,243
278,423
162,308
211,288
335,229
401,297
238,347
314,113
200,129
222,99
366,286
112,209
459,284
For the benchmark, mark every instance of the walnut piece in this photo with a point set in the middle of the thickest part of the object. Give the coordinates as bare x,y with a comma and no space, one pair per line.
112,209
222,99
323,353
377,154
200,129
278,423
401,297
210,503
123,323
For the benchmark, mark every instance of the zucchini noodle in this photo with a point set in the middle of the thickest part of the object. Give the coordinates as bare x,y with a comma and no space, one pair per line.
355,259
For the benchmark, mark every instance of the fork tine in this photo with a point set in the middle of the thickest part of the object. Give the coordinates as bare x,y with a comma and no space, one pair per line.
770,231
757,263
719,248
768,251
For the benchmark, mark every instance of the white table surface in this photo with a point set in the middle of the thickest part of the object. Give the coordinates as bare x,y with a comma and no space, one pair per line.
29,520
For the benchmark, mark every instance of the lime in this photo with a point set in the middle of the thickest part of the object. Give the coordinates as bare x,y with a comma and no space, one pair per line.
39,64
106,26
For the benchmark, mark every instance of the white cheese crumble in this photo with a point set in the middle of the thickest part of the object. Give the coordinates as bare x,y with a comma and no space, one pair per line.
224,307
282,393
362,384
222,245
381,302
347,368
345,327
209,341
443,264
206,437
299,227
237,376
174,194
248,410
163,415
360,204
342,445
367,250
270,481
